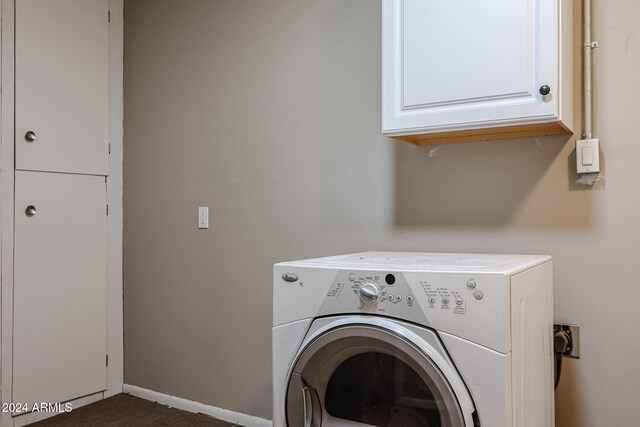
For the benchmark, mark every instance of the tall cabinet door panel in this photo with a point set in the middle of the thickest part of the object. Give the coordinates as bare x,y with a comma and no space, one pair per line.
60,278
62,86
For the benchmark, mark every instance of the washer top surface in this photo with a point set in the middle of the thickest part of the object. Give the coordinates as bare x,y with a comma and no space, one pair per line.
428,262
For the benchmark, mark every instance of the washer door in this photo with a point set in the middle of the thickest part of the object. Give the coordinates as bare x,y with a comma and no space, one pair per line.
367,375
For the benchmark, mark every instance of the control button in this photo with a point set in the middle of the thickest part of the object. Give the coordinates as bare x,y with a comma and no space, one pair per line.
478,295
445,301
409,298
369,293
390,297
398,298
432,300
471,284
390,279
352,277
459,301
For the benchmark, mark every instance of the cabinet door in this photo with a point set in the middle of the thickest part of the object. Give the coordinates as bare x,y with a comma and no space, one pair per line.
460,64
60,277
62,86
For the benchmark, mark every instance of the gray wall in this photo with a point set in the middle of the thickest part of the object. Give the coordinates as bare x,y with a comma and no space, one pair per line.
269,113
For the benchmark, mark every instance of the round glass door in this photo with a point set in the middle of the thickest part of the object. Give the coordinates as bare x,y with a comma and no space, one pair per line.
380,390
362,375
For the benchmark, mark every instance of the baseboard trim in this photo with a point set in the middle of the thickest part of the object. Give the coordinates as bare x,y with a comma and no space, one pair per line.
197,407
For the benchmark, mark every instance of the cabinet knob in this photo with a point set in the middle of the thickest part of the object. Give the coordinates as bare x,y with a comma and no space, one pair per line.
30,211
545,90
30,136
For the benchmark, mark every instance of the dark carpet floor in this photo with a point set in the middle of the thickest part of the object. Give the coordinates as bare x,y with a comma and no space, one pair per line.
125,410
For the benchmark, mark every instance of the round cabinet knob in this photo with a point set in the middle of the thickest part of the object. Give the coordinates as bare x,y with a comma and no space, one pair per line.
30,136
369,293
545,90
30,211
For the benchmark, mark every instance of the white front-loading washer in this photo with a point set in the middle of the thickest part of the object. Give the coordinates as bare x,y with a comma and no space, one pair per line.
413,339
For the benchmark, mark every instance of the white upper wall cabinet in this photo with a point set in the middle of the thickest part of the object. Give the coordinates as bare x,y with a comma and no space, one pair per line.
461,70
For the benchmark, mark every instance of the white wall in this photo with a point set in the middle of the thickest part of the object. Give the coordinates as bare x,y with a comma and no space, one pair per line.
268,112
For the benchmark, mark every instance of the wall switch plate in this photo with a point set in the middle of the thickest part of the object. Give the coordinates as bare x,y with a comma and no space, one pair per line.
588,156
203,217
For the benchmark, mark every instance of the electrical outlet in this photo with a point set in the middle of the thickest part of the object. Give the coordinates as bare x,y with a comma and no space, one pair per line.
573,333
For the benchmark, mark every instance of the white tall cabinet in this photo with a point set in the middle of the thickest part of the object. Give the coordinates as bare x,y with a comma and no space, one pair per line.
60,205
465,70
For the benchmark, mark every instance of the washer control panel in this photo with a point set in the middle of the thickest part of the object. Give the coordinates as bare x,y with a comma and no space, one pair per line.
441,294
373,293
428,298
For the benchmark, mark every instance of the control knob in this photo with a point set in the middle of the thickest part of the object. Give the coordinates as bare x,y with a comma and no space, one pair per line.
369,293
